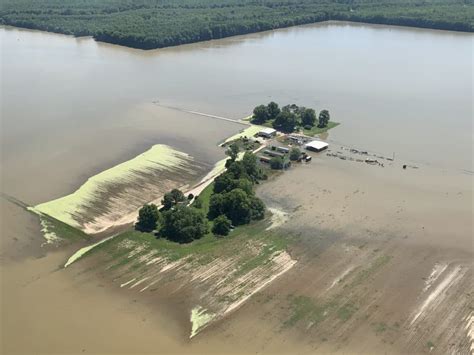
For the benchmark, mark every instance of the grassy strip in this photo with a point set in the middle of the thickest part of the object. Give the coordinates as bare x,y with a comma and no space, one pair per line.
316,130
309,132
63,230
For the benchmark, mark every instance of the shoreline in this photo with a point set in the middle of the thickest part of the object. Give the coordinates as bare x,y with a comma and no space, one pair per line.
324,22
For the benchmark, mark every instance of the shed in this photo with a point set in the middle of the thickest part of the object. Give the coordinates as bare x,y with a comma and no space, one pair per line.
316,146
273,153
283,150
267,132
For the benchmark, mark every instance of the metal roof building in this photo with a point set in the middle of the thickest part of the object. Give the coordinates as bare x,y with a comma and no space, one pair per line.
267,132
316,146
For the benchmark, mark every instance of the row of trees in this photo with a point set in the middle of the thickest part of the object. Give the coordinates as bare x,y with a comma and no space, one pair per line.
151,24
177,222
232,203
289,117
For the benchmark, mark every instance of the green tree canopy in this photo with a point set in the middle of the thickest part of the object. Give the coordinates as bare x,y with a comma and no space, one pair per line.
222,225
295,153
233,151
172,198
251,167
308,117
184,224
148,217
276,163
236,205
286,121
273,110
260,114
323,118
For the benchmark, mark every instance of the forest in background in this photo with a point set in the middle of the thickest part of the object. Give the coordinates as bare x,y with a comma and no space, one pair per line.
149,24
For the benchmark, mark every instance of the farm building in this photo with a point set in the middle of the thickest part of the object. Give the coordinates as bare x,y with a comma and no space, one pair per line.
267,132
316,146
273,153
281,149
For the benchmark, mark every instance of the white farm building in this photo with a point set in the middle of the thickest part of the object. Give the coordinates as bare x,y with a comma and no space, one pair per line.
316,146
267,132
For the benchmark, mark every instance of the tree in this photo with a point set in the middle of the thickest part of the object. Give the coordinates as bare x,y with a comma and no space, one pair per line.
276,163
184,224
260,114
222,225
323,118
295,153
233,151
172,198
308,117
273,110
148,217
216,205
258,208
250,164
286,121
236,206
237,170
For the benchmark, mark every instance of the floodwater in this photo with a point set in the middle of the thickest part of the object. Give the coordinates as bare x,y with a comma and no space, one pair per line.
72,107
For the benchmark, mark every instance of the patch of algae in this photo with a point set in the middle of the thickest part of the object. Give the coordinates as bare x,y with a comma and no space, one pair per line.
199,318
66,208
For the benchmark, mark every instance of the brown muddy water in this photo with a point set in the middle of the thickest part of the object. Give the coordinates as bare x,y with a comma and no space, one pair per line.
71,108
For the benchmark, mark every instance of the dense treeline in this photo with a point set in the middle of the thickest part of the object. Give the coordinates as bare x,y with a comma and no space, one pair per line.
232,203
151,24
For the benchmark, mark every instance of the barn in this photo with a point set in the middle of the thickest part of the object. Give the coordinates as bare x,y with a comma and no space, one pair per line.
316,146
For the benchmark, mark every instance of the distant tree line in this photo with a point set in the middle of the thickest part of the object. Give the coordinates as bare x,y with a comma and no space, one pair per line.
289,117
149,24
232,203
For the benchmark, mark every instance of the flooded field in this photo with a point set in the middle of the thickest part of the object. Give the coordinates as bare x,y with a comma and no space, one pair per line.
377,253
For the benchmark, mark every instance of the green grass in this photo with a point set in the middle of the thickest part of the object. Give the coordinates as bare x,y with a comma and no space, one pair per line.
205,197
309,132
62,230
316,130
203,250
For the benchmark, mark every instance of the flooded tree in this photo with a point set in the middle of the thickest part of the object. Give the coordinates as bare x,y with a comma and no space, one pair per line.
295,153
323,118
308,117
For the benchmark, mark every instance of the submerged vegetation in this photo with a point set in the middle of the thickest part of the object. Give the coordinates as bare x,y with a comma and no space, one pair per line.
151,24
